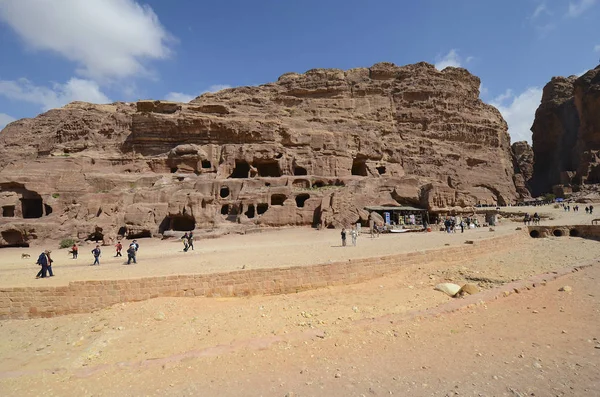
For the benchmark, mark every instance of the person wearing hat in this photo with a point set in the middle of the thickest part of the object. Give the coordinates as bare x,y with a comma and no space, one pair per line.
46,263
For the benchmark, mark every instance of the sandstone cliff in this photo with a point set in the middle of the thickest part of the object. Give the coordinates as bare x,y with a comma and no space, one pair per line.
310,148
523,165
566,139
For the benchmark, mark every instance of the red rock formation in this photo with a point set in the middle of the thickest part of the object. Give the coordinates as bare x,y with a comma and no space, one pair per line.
313,147
523,165
566,143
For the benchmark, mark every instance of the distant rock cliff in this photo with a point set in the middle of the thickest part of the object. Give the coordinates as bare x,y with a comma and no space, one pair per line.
310,148
566,133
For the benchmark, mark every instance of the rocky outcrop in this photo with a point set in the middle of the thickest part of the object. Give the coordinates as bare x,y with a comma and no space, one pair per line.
523,166
565,133
310,148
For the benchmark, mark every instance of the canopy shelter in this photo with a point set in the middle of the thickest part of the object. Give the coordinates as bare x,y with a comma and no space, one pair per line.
400,215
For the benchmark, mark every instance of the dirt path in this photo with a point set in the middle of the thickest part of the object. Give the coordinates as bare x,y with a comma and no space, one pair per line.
324,342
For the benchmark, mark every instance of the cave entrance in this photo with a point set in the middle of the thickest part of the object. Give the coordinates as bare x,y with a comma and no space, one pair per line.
225,209
48,209
32,207
97,235
241,170
14,238
300,170
278,199
250,212
8,211
224,192
359,167
183,223
381,169
268,168
301,199
206,164
262,208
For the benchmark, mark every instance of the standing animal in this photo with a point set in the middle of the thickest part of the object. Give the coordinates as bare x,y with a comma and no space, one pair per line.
24,256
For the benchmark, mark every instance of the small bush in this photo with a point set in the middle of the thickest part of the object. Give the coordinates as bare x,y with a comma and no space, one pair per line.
67,243
55,195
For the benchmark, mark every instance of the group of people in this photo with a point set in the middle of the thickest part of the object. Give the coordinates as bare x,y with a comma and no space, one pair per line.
131,252
188,241
353,235
452,224
45,261
527,219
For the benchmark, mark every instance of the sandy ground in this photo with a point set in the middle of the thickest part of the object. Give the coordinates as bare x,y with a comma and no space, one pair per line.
340,341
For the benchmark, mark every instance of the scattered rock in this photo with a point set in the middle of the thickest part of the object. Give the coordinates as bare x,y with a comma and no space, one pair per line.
338,375
469,242
469,289
566,288
160,316
449,289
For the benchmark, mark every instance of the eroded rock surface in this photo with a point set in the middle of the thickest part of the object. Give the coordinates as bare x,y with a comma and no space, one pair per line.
566,142
311,148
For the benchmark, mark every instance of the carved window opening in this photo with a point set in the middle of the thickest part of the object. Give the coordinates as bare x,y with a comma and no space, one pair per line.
97,235
381,169
301,199
262,208
206,164
225,209
8,211
250,211
300,171
268,168
241,170
173,170
224,192
32,207
359,167
318,184
278,199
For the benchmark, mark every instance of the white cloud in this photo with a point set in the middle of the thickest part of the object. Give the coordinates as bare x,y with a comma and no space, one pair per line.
179,97
578,8
542,8
107,39
5,119
519,111
56,96
182,97
450,59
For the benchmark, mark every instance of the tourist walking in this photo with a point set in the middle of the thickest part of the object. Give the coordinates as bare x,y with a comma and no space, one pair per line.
119,248
131,253
591,209
191,241
96,252
343,237
354,235
44,262
135,245
185,241
74,251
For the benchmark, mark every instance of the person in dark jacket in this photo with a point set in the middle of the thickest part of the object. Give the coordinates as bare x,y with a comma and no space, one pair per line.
46,263
131,252
96,252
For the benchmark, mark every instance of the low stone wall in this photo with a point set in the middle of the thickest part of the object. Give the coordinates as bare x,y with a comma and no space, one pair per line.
584,231
87,296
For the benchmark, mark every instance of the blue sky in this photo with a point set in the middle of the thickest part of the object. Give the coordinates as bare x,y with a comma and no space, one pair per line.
99,51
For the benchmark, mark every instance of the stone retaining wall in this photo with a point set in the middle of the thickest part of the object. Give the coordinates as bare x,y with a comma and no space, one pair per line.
585,231
87,296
